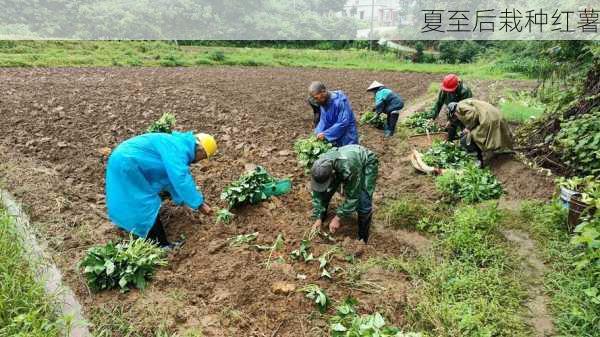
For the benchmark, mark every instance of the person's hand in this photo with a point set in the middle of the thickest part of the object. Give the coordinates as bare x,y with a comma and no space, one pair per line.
317,224
335,224
466,131
321,136
205,209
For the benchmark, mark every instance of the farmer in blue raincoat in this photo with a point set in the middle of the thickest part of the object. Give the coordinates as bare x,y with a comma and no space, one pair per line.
337,124
389,103
142,167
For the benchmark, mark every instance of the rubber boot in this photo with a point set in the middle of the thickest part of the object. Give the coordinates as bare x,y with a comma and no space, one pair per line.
364,224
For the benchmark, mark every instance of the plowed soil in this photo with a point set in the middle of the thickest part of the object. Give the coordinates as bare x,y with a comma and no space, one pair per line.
55,123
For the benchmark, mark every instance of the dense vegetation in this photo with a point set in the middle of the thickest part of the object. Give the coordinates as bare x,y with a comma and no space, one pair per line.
25,308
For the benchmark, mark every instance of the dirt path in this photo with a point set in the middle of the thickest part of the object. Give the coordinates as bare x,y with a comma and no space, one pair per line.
57,120
533,271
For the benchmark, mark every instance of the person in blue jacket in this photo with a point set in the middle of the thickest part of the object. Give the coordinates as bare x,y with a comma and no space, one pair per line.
389,103
143,167
336,124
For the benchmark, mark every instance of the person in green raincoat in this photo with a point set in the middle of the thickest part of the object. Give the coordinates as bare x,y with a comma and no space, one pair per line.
354,168
453,90
485,129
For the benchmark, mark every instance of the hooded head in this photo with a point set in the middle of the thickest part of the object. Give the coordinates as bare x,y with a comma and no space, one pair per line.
322,174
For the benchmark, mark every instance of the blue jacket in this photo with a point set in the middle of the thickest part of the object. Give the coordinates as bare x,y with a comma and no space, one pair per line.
387,101
337,120
143,166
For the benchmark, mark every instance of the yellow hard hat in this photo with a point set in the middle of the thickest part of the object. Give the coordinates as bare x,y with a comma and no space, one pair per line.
208,143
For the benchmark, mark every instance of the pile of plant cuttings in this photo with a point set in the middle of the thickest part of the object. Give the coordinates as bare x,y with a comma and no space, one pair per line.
123,265
447,155
373,119
471,184
421,122
309,149
250,188
164,124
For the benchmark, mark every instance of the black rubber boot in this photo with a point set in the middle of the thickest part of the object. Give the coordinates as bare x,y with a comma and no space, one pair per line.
364,224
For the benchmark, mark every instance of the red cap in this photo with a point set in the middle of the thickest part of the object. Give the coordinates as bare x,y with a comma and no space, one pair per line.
450,83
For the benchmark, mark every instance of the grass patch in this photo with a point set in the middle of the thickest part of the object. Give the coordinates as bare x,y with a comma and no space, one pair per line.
163,53
469,285
520,107
25,308
575,312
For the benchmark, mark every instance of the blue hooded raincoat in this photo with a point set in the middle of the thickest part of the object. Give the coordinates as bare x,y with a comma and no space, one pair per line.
143,166
337,120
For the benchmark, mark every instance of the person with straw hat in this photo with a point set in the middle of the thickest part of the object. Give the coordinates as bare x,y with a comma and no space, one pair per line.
389,103
143,167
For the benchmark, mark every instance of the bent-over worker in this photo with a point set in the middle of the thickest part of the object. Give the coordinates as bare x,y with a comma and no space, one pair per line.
485,130
143,167
453,90
389,103
336,124
353,168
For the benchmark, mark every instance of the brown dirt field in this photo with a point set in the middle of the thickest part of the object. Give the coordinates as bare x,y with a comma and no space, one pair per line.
56,122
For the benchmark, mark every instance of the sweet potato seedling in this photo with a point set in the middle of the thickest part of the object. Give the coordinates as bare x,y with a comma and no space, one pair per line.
371,118
242,239
318,296
224,216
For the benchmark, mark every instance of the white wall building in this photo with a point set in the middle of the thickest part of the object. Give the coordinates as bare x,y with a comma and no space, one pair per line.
386,12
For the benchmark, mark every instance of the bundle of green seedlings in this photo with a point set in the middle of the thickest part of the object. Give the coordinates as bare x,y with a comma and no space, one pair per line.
446,155
122,265
471,184
164,124
420,123
309,149
348,323
248,189
371,118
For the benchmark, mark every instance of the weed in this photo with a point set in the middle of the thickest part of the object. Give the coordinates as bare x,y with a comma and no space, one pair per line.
404,213
217,56
172,60
25,307
470,286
